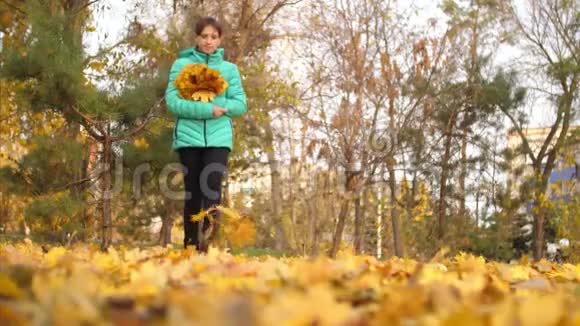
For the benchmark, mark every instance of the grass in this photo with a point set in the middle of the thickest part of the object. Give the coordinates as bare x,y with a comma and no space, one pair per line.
257,252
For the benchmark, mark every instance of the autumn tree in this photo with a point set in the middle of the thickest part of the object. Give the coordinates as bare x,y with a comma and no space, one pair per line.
369,73
17,127
54,67
548,31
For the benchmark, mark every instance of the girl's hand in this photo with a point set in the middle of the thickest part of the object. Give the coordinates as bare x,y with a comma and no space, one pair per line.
218,111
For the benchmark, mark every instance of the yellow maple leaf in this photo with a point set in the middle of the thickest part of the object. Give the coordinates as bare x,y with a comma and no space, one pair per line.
470,263
97,66
566,272
9,289
199,216
203,95
54,255
541,310
543,266
229,213
10,316
141,143
105,262
465,316
241,232
440,255
319,270
504,313
146,281
316,306
513,273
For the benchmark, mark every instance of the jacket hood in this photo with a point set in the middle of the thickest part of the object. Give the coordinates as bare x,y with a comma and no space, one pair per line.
213,58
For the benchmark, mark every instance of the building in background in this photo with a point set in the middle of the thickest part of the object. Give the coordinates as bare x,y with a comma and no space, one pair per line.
563,183
566,173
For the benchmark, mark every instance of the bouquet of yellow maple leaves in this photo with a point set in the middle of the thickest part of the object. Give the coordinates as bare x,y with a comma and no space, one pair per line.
199,82
239,230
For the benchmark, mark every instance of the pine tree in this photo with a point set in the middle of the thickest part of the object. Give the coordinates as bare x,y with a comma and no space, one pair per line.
53,67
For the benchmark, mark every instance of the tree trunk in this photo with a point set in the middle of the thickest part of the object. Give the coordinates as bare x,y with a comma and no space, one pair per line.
77,12
379,222
410,200
493,169
477,197
358,225
318,212
365,225
538,230
4,211
316,242
337,237
226,200
106,191
539,209
165,232
471,80
397,238
82,193
321,214
312,221
276,194
463,175
73,130
441,207
540,198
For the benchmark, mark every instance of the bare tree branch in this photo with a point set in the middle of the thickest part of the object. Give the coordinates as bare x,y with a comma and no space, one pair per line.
89,124
147,117
13,7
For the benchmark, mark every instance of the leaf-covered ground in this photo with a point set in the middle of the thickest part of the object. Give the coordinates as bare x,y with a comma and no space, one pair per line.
159,286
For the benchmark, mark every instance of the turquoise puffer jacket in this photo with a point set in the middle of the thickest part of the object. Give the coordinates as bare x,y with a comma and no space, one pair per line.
195,125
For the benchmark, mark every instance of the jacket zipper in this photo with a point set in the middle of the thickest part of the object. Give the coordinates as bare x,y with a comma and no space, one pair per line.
204,123
175,129
204,135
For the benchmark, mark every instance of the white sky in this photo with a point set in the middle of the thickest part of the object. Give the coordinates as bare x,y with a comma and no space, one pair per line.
109,24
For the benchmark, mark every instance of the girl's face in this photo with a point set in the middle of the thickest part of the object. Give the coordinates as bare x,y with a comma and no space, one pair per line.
209,40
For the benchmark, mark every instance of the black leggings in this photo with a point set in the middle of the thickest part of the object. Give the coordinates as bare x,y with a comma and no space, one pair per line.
204,170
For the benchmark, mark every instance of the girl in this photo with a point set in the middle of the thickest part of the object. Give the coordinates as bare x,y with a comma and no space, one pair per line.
203,131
